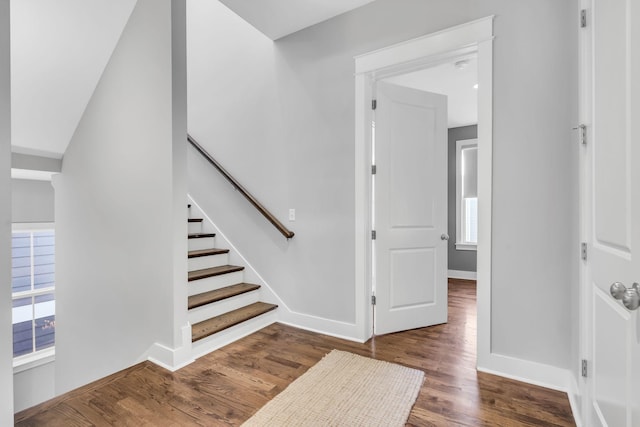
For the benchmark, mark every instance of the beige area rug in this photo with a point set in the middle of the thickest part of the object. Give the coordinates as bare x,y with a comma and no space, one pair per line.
345,389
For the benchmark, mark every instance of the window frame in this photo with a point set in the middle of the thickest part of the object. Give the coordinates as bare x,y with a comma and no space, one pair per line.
47,355
459,243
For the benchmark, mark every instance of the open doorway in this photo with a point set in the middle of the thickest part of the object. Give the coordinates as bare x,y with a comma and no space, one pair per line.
423,191
468,39
458,81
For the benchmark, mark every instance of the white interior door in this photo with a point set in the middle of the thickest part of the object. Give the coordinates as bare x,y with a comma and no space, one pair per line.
614,231
410,214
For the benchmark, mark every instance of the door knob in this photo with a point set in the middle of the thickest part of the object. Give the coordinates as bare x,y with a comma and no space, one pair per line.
444,236
630,297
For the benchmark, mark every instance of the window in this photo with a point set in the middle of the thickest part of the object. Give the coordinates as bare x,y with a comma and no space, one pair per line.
33,287
467,194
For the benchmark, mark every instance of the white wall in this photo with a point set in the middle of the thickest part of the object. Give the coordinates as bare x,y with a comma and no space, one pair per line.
6,353
115,213
32,201
280,117
59,51
33,386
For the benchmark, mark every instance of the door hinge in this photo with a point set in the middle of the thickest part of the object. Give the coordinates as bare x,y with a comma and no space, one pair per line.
373,300
373,169
584,368
373,234
583,251
582,133
374,104
583,18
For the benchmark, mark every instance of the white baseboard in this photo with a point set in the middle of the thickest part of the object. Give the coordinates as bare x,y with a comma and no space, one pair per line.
332,328
526,371
539,374
575,400
460,274
173,359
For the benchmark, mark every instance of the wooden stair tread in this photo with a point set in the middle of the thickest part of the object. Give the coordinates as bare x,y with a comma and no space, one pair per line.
207,252
213,271
194,220
201,235
216,324
219,294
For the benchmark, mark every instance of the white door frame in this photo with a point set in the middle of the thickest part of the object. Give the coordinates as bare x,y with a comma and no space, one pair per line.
473,37
585,64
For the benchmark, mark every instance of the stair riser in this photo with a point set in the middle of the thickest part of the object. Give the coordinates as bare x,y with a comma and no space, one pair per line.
216,282
195,227
198,244
221,307
222,338
202,262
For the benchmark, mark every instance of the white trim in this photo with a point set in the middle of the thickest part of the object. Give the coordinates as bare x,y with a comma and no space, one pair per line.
454,38
32,175
33,360
170,358
476,36
485,197
32,226
575,398
466,246
585,79
528,372
461,274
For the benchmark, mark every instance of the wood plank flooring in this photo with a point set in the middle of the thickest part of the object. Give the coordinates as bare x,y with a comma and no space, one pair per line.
229,385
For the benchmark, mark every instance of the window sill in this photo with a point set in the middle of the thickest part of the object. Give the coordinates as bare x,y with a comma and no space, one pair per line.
33,360
466,246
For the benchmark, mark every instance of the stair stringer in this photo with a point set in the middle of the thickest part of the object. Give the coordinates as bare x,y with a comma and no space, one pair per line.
344,330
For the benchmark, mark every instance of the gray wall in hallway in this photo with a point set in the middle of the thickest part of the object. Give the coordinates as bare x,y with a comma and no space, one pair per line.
458,260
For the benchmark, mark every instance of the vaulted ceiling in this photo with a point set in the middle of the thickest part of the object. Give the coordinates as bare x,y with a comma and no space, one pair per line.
279,18
59,49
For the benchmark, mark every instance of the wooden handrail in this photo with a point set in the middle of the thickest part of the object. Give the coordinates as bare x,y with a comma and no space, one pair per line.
264,211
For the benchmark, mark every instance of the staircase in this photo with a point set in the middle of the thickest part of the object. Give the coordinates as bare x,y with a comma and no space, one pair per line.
222,307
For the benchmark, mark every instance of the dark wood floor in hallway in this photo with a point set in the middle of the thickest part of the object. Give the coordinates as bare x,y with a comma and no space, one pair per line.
229,385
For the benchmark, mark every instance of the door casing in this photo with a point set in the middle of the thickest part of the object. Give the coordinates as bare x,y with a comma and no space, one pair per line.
475,37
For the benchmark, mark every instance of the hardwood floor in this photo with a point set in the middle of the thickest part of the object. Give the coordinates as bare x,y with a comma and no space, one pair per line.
226,387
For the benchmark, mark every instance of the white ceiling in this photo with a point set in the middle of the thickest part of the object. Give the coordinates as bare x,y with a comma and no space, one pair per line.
59,49
455,82
278,18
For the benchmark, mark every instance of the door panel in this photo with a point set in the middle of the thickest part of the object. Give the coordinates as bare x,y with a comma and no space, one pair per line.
615,215
405,265
410,209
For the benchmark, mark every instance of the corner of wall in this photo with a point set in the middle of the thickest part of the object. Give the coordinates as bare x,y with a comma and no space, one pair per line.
173,358
526,371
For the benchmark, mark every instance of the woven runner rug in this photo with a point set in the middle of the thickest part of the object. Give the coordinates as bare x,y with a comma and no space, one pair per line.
345,389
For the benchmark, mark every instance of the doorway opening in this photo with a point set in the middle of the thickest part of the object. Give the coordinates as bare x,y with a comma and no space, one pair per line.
424,211
474,38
